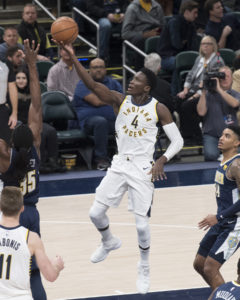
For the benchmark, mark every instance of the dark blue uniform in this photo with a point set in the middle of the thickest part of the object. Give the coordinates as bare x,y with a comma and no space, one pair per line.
229,291
223,239
29,218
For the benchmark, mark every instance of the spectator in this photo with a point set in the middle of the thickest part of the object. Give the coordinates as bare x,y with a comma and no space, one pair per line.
14,58
207,61
63,76
109,15
167,6
236,74
30,29
224,28
218,106
143,19
178,35
8,119
10,38
94,116
229,290
162,91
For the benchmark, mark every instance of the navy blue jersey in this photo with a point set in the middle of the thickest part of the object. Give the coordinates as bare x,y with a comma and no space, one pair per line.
30,184
228,291
227,193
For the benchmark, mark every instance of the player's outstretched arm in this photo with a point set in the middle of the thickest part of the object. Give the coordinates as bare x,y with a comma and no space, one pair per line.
49,269
35,110
104,93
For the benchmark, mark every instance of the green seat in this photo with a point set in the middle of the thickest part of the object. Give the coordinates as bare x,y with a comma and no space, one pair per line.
58,110
228,55
184,63
151,44
43,67
43,87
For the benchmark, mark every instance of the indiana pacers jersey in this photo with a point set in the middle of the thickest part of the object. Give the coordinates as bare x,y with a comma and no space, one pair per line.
229,290
30,184
14,263
136,128
227,192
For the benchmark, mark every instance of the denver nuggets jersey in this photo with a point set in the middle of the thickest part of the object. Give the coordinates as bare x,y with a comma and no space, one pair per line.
14,263
229,290
136,128
226,190
30,184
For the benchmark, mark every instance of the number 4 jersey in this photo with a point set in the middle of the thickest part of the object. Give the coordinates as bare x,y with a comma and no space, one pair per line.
136,128
30,184
14,264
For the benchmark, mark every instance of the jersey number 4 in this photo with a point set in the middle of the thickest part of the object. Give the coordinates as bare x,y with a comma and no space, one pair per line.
135,122
29,183
8,266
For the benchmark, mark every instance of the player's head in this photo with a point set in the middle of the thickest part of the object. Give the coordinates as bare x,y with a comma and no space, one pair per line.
11,201
230,138
142,83
22,142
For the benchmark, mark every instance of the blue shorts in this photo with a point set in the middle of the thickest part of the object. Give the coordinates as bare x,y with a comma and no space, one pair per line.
220,242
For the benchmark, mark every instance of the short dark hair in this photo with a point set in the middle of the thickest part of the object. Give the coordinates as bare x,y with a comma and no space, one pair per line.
187,5
151,77
12,50
209,5
235,129
11,201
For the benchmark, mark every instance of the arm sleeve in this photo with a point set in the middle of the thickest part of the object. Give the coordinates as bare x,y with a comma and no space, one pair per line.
176,140
230,211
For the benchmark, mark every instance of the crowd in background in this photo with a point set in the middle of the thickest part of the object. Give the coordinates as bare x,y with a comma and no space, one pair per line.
202,102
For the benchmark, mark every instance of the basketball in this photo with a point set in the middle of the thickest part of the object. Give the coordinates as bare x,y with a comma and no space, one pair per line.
64,29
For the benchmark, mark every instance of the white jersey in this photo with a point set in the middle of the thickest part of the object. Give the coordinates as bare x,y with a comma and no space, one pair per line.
14,263
136,128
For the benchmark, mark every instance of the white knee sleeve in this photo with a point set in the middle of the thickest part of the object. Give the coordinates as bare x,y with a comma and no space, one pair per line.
98,215
143,231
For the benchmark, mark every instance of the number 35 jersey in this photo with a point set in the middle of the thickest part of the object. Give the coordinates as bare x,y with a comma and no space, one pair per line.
14,263
30,184
136,128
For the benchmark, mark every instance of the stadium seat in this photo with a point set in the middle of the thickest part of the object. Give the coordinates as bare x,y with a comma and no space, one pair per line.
228,55
43,67
57,110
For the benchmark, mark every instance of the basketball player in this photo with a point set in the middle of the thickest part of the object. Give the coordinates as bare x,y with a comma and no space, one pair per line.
19,163
132,169
229,290
223,237
17,245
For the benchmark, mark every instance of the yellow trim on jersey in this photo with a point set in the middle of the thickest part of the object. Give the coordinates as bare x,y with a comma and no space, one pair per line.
27,235
122,104
156,110
235,283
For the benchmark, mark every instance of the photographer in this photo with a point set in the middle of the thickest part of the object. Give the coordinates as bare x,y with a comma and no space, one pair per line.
218,106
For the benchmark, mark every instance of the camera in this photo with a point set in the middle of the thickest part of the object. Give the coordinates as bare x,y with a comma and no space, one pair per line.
209,83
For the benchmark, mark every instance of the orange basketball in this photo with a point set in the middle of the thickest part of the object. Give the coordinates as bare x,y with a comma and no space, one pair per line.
64,29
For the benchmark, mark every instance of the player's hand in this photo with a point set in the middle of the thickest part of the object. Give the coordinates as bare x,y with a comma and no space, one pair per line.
12,122
67,47
208,222
30,53
157,170
58,263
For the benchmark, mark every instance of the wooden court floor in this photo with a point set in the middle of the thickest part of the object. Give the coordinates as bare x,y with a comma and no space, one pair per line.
66,230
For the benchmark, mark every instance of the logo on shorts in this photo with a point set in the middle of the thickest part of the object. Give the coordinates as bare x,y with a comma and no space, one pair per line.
232,242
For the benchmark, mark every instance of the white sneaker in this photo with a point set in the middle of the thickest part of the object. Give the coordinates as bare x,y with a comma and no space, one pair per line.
102,251
143,280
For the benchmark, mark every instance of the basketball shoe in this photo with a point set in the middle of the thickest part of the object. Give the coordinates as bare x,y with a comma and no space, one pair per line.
143,280
105,247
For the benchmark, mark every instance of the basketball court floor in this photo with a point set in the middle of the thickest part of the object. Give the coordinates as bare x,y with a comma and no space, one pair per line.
179,204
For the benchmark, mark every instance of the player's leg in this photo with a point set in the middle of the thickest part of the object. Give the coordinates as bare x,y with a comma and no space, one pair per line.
212,272
143,232
109,193
198,265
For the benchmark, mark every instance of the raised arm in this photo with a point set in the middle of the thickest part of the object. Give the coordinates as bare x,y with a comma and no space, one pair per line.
35,110
49,269
104,94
